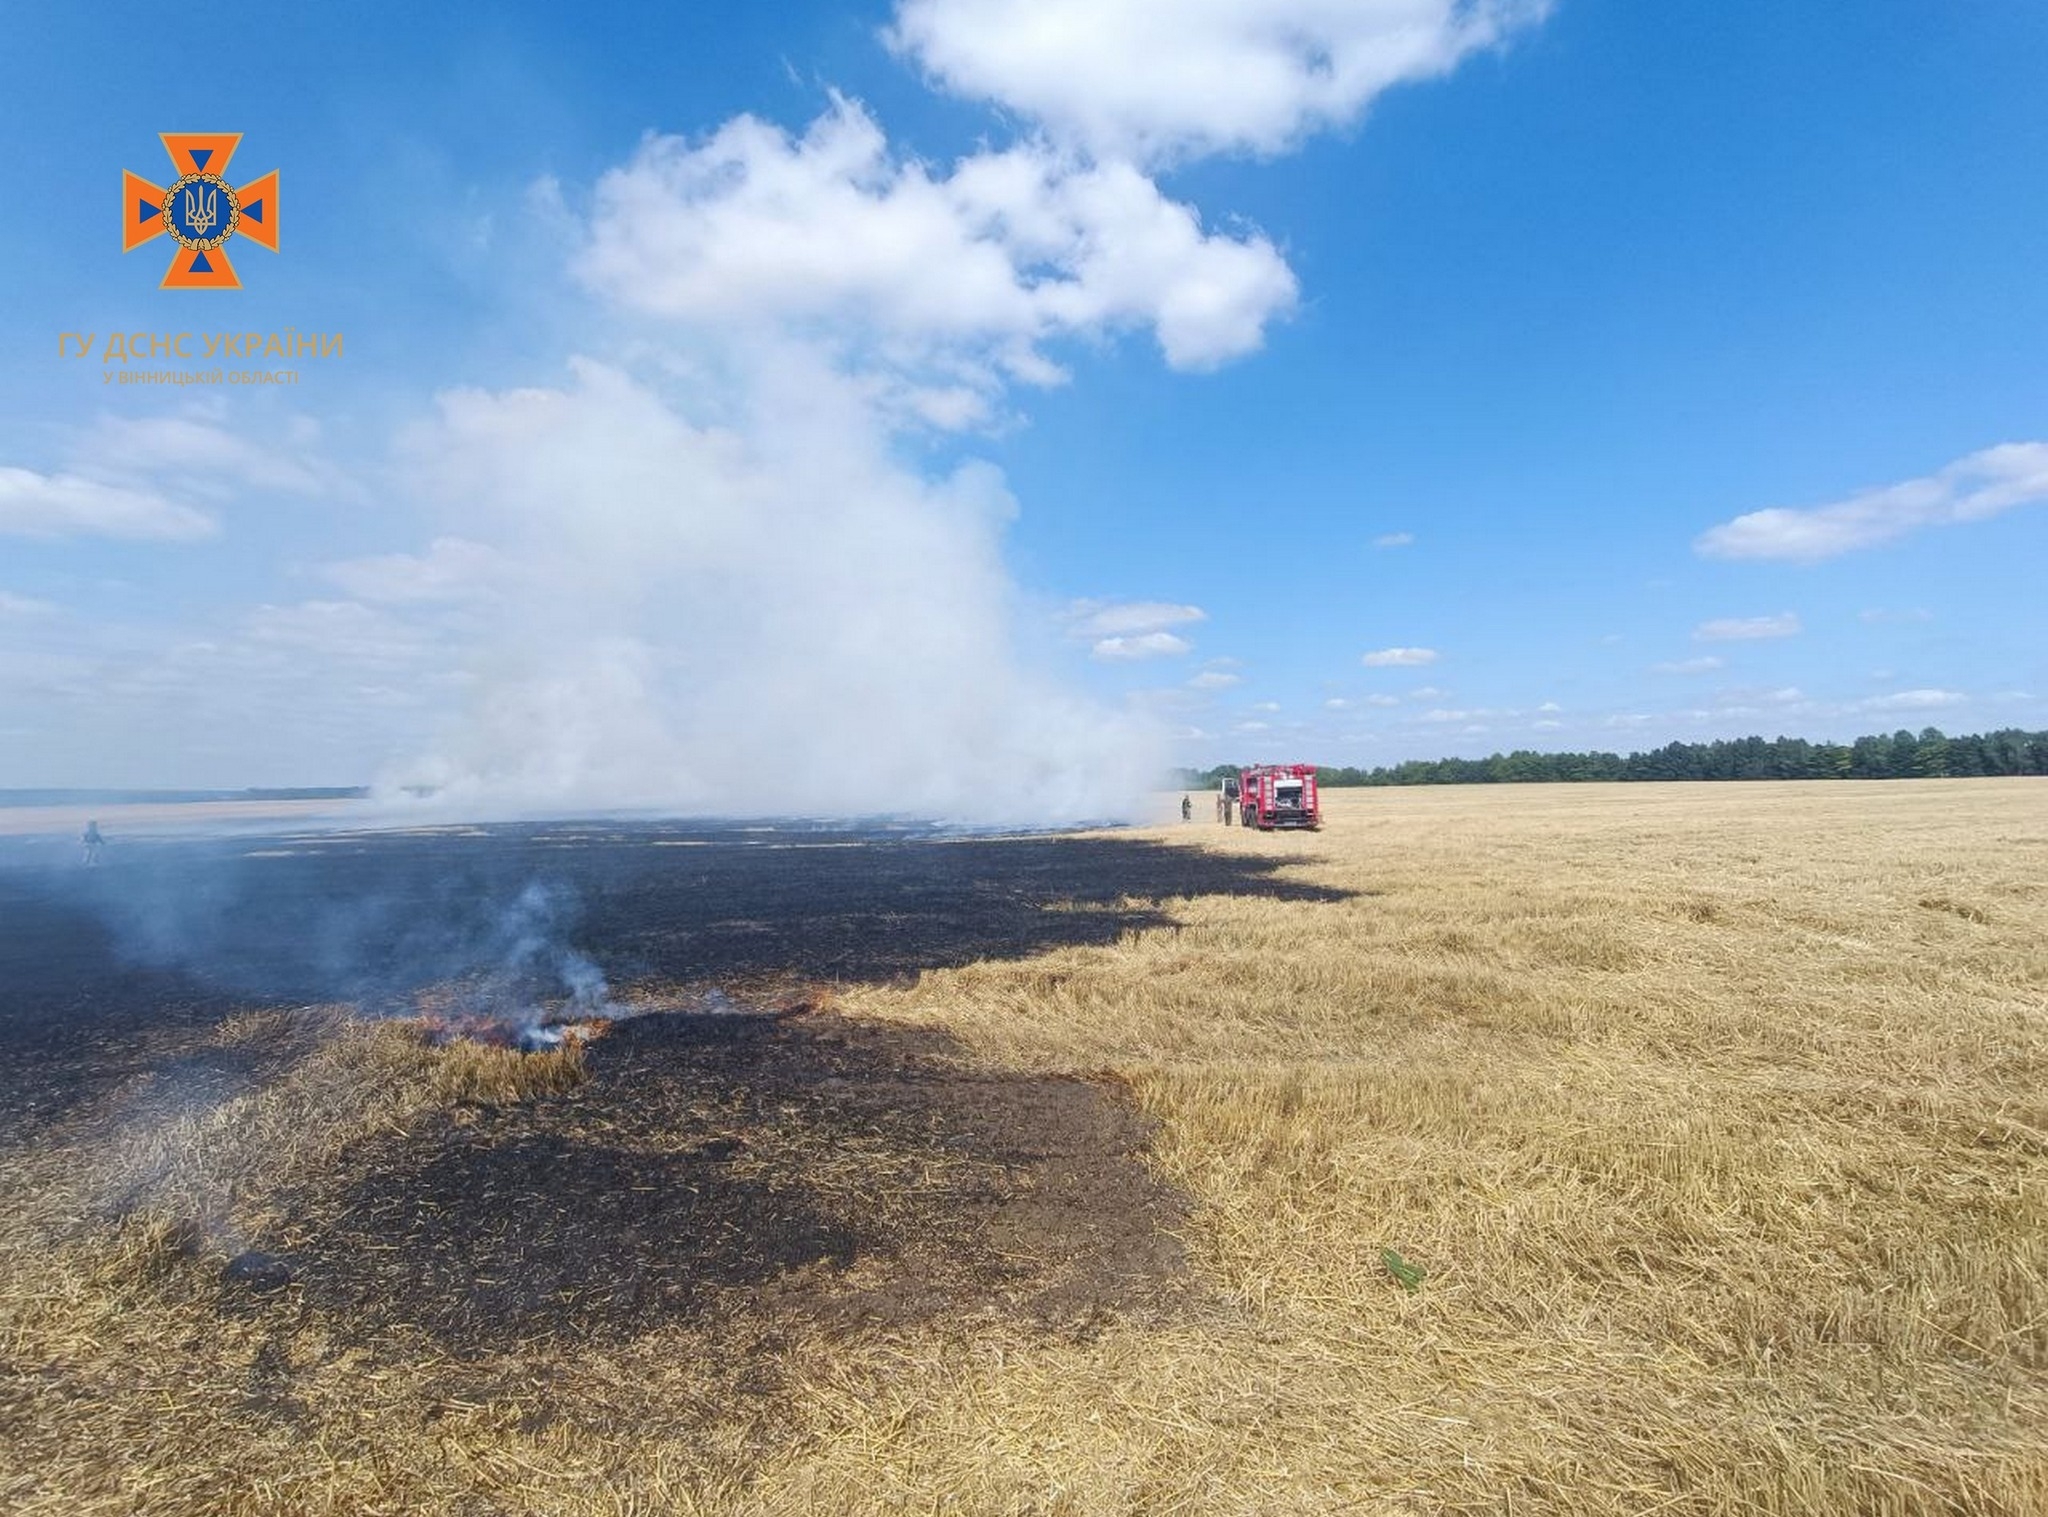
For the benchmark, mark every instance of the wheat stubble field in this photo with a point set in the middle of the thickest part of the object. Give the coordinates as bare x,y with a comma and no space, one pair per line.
1714,1114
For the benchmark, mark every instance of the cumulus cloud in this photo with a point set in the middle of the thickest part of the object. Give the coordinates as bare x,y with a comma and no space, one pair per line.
1153,78
967,271
1687,665
1973,488
1912,700
1399,658
715,580
1393,540
70,505
1140,645
1089,618
1730,629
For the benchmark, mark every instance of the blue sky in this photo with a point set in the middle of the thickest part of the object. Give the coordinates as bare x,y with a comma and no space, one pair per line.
1229,404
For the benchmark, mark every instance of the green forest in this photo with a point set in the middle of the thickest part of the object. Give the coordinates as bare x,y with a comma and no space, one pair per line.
1928,754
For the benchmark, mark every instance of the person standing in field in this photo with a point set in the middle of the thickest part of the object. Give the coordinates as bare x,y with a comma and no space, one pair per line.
94,841
1187,809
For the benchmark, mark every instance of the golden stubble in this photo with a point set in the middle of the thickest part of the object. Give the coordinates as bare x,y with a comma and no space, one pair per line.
1715,1116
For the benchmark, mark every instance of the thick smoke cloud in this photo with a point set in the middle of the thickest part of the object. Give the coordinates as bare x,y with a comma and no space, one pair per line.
769,615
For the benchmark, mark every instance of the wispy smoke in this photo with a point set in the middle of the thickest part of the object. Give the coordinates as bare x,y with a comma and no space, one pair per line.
393,932
535,950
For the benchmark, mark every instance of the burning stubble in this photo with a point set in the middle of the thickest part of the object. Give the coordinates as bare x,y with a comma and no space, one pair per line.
458,939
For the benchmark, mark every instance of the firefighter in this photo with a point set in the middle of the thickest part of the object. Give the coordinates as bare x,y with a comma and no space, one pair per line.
1187,809
94,842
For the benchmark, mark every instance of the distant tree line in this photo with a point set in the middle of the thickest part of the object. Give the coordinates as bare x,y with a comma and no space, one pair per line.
1929,754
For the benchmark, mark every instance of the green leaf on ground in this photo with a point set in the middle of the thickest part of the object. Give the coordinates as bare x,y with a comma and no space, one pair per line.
1410,1275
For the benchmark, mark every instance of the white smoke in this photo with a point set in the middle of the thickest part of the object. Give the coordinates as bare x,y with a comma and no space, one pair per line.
535,948
707,577
768,616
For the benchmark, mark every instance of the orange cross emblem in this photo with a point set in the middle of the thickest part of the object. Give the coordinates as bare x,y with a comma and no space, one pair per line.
200,211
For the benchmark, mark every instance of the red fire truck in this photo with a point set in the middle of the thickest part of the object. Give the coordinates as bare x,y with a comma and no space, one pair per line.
1279,795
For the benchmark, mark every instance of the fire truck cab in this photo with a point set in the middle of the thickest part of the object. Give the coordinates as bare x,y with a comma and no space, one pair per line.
1279,795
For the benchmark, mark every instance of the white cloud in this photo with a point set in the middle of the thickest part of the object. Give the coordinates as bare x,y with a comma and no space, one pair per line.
1548,724
1399,658
722,581
1393,540
1687,665
451,569
1116,618
206,458
1336,703
1251,727
966,272
1747,628
22,607
1427,693
1912,700
1140,645
1970,489
1550,706
1881,617
1265,706
1386,700
1150,78
346,632
69,505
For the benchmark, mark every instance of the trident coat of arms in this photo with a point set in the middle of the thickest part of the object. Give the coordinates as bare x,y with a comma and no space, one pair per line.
200,211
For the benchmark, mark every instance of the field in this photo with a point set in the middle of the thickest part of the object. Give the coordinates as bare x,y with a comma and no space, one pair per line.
1708,1123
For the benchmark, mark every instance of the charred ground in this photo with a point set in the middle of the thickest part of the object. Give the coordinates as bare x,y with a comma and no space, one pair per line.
744,1166
316,916
728,1177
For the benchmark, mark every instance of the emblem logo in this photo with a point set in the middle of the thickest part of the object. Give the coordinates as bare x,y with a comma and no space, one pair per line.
200,211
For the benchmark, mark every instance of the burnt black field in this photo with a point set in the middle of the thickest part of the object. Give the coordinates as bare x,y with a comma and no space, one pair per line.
182,932
362,915
695,1179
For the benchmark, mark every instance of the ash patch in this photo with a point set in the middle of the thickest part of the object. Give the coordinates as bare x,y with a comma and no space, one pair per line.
735,1173
537,1233
110,975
